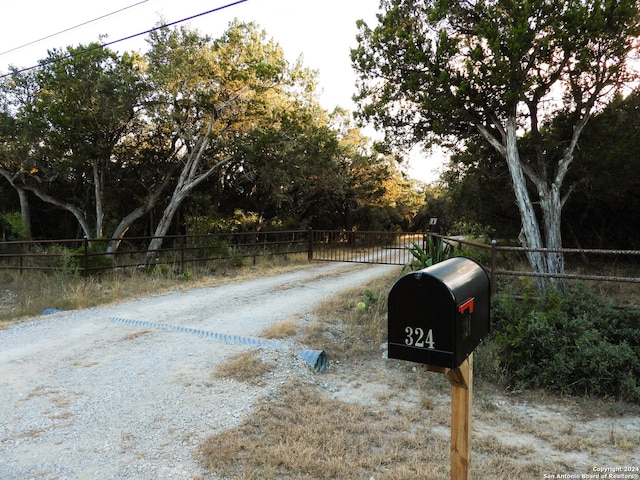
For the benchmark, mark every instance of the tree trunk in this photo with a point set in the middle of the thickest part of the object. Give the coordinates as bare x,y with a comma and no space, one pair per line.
97,188
187,183
164,224
188,180
25,212
551,206
530,236
25,208
127,221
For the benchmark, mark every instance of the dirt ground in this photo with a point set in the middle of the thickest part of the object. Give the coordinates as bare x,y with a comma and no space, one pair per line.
84,394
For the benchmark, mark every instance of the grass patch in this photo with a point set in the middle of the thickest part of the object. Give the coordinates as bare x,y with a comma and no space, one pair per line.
134,335
347,331
246,367
23,296
286,328
305,435
367,417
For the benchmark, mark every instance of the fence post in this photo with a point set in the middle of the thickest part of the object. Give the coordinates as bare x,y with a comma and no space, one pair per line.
493,267
183,241
254,243
310,244
85,256
20,255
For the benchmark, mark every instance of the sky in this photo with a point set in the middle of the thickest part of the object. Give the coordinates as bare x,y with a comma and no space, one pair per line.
321,31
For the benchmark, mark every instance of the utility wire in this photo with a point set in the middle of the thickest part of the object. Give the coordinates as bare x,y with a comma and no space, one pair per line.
72,28
97,47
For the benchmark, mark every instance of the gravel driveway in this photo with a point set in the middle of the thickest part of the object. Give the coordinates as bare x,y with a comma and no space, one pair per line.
85,397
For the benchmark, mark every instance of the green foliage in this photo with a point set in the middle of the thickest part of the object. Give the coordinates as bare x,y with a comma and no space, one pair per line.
437,251
446,72
202,128
604,175
368,299
237,259
14,221
568,343
209,247
479,193
94,260
607,179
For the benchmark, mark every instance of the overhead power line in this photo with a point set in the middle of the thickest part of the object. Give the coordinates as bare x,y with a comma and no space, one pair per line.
103,45
72,28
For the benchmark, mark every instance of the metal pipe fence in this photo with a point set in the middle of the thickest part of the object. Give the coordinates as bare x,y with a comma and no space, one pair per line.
88,256
500,261
596,265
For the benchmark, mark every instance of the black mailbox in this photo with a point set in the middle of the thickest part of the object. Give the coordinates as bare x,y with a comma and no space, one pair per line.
439,315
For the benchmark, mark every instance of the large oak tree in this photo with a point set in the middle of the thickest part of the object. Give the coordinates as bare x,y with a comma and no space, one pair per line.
444,69
70,118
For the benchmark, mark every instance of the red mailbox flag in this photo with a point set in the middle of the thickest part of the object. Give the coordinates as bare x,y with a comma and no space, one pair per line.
468,305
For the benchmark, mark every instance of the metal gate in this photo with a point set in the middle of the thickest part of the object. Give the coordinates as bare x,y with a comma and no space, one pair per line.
391,248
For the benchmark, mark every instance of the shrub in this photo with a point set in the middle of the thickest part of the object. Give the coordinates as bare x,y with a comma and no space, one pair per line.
568,343
96,258
437,251
209,247
15,224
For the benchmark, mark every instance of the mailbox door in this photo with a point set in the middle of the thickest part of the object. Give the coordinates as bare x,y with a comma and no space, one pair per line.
470,286
473,318
422,320
437,316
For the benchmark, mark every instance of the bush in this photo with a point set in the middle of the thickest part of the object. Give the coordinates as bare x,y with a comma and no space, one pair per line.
15,225
209,247
96,259
568,343
437,251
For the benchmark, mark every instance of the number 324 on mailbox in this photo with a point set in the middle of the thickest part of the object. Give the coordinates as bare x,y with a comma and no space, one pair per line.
439,315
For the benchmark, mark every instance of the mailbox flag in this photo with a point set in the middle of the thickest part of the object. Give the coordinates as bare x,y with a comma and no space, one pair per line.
468,305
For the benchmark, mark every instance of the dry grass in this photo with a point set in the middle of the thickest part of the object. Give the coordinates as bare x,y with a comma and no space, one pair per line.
134,335
305,435
347,331
39,392
286,328
246,367
369,418
26,295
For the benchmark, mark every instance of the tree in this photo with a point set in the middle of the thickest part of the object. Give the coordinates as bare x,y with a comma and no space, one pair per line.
287,164
607,176
9,133
442,69
211,98
368,189
70,119
478,191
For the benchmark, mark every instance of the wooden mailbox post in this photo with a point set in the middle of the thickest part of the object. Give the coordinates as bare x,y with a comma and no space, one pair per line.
437,317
